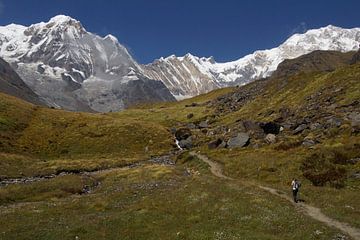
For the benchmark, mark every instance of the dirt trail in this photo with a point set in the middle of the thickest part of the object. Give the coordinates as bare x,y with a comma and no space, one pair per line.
311,211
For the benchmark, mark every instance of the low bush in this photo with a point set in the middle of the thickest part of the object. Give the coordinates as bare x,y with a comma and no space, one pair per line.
320,169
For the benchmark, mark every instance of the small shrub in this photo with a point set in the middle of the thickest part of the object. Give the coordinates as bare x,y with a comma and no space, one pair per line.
320,169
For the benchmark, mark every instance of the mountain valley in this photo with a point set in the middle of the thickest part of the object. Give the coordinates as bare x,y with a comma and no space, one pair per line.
67,175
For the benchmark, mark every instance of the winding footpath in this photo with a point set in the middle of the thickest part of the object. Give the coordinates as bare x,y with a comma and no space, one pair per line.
308,210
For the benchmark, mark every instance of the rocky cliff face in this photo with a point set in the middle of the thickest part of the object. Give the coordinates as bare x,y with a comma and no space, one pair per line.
184,76
12,84
191,75
72,68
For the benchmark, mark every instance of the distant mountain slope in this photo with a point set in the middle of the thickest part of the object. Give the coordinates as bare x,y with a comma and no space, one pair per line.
191,75
72,68
322,61
12,84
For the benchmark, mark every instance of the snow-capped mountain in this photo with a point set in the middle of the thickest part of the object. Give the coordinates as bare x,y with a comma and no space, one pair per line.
75,69
190,75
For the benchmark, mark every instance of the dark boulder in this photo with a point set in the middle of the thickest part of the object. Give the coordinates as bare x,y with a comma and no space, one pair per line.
215,144
186,143
300,128
203,124
182,134
190,115
271,127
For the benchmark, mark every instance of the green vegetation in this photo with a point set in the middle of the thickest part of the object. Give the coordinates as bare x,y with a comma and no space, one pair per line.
160,202
182,201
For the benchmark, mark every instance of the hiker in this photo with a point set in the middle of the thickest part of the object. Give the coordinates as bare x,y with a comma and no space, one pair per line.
295,185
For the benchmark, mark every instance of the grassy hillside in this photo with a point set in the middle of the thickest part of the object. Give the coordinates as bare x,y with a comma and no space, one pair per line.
109,189
316,98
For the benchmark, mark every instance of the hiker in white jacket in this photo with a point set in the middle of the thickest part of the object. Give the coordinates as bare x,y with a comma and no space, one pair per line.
295,185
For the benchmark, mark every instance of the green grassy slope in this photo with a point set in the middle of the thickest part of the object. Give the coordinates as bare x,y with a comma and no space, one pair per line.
182,201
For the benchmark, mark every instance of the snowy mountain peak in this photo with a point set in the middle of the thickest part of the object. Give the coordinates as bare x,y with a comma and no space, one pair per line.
56,26
62,19
112,38
190,75
73,68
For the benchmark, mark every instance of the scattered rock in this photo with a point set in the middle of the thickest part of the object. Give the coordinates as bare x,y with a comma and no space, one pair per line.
354,160
300,128
284,113
354,118
241,140
162,160
191,126
215,144
308,142
251,126
356,175
186,143
315,126
221,130
190,115
182,134
270,138
287,125
203,124
270,127
334,122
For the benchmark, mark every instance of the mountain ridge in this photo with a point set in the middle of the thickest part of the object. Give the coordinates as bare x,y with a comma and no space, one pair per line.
260,64
75,69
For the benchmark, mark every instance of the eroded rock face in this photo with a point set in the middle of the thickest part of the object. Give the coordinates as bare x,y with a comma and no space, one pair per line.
241,140
12,84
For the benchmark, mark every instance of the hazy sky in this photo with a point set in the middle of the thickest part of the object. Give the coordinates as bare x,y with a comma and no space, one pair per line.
225,29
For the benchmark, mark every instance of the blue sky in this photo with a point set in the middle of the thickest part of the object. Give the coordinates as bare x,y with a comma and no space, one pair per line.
225,29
